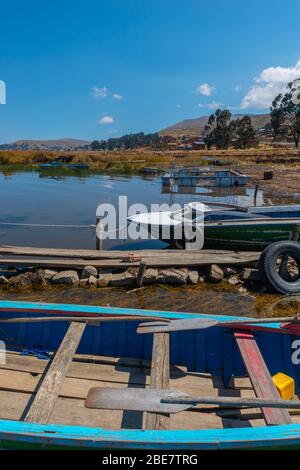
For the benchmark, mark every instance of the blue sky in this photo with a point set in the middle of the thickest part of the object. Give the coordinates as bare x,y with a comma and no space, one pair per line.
96,69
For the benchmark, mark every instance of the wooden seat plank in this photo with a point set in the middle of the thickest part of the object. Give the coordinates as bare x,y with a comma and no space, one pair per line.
160,377
48,392
260,377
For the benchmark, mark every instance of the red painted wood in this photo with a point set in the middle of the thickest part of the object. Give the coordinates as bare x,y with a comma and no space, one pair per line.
61,313
49,312
260,377
252,327
291,328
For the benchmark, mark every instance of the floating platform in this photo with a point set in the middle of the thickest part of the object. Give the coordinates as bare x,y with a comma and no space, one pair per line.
194,176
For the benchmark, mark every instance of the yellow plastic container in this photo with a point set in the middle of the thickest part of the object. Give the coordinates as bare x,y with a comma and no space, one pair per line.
285,385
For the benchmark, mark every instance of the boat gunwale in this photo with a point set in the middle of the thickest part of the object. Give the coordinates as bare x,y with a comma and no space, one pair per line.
83,436
85,310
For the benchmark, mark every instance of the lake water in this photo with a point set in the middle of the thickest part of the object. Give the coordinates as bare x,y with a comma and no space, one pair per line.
38,198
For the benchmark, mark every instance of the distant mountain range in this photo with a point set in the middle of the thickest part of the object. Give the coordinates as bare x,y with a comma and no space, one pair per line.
59,144
192,127
195,126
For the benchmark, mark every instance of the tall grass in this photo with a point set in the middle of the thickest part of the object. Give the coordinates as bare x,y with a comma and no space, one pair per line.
133,161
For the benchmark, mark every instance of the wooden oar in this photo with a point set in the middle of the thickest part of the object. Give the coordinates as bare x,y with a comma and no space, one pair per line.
203,323
170,401
80,318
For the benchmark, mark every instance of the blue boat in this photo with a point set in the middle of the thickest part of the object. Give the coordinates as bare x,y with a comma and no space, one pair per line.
55,354
55,165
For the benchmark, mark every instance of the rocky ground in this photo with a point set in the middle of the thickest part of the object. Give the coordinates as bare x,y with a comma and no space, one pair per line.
242,278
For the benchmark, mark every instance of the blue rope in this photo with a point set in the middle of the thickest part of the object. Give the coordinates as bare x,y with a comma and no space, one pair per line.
38,351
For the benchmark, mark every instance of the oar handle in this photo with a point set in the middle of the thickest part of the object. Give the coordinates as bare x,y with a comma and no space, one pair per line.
261,320
231,401
79,318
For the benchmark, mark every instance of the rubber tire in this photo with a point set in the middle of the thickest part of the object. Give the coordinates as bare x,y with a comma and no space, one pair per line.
268,271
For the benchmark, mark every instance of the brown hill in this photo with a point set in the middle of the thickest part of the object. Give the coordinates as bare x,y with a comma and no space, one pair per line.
195,126
59,144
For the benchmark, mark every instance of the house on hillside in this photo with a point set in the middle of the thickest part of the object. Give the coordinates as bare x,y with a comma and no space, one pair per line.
198,144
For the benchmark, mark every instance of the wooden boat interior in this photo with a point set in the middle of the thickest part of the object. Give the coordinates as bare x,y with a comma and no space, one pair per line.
54,390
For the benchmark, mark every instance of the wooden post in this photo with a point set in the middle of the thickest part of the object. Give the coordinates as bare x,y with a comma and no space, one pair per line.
99,231
160,377
255,194
295,233
141,273
97,239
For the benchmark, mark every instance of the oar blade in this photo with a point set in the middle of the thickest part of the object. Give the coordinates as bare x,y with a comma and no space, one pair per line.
176,325
135,399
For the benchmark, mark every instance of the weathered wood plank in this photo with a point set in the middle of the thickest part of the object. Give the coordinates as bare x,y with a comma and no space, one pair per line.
73,412
109,360
177,259
79,370
105,254
260,377
160,377
74,386
43,404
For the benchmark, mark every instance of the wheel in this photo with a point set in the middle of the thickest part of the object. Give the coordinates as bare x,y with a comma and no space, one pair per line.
279,267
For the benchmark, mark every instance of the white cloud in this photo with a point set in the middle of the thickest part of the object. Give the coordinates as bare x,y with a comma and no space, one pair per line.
212,105
270,82
107,120
116,96
237,88
205,89
99,92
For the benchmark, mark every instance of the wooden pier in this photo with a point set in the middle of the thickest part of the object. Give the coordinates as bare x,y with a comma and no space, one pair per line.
78,258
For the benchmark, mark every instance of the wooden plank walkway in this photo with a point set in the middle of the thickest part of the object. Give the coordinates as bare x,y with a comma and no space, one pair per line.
70,258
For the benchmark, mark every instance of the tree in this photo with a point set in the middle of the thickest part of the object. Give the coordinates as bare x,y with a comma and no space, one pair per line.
126,141
242,133
277,115
217,129
291,103
286,112
95,145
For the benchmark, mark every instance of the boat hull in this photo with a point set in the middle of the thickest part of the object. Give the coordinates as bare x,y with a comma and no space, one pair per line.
211,350
247,236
